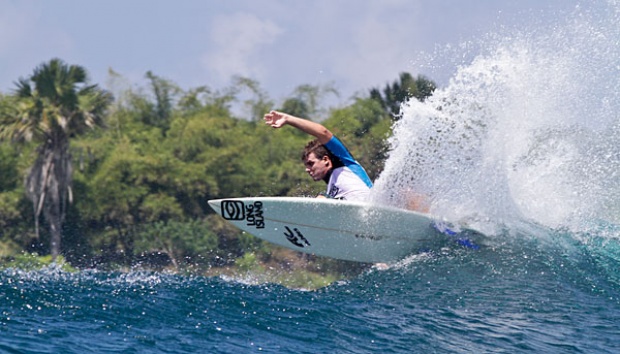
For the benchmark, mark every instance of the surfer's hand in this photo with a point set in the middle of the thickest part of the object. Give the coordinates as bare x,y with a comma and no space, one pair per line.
275,119
278,119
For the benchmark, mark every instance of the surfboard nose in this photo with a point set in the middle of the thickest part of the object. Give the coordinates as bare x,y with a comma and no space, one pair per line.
215,204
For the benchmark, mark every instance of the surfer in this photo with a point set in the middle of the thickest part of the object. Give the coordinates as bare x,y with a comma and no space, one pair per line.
327,159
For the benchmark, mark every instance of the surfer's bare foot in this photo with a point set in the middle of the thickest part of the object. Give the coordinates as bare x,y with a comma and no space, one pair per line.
381,266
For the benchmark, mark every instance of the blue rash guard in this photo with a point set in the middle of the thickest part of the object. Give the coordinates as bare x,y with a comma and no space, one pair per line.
350,181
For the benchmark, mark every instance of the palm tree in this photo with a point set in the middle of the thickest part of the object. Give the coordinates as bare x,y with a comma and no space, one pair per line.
52,106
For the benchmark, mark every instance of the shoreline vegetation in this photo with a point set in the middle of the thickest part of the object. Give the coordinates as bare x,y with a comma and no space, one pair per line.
119,178
292,273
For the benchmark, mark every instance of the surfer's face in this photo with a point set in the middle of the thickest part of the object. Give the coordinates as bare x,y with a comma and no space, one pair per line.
317,168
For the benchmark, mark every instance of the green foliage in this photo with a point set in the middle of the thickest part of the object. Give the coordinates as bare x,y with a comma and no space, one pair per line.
9,174
249,263
8,248
15,211
307,98
51,107
160,206
296,107
115,191
9,208
164,92
32,261
259,103
141,186
54,102
185,243
400,91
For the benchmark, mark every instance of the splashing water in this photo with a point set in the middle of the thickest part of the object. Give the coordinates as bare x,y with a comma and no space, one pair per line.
527,131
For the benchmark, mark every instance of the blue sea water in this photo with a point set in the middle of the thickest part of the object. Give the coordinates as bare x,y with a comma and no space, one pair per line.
558,296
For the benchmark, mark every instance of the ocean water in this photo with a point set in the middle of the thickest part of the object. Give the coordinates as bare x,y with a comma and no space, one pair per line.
558,297
521,144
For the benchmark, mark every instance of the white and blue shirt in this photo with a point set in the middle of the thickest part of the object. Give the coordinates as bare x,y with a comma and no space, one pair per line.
348,182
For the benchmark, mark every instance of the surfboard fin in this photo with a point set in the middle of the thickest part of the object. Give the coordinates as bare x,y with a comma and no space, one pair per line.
458,236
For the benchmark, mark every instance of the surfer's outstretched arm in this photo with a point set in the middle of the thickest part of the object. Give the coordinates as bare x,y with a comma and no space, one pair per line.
279,119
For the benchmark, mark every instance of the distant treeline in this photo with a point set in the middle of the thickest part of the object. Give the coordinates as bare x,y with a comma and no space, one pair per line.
123,175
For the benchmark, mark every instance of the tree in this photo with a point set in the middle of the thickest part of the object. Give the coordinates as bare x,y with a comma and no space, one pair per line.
185,243
161,111
400,91
296,107
305,100
52,106
259,104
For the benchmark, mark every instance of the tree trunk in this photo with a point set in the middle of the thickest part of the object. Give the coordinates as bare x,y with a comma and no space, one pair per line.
55,231
49,188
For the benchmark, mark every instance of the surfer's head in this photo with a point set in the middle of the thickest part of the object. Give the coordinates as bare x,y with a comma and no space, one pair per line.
317,148
318,160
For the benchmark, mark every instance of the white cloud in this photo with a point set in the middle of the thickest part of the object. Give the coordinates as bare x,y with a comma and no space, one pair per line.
238,40
357,44
378,50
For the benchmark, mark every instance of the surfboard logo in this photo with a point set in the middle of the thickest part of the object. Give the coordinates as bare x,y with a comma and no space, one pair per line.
296,238
254,215
236,210
233,210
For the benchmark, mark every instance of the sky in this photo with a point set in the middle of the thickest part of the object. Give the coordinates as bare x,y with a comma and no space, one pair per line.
353,45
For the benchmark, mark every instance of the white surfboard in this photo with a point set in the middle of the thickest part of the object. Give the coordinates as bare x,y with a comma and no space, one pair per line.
333,228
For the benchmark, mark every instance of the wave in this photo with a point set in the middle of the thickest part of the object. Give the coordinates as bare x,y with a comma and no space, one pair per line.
526,133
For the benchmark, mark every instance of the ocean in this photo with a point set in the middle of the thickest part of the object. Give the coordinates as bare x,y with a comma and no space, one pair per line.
558,297
521,144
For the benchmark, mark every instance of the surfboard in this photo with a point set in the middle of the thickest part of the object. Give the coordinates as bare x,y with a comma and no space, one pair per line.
334,228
